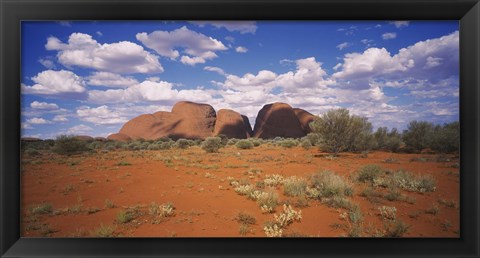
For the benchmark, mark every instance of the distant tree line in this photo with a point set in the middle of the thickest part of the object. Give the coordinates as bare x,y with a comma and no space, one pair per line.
338,131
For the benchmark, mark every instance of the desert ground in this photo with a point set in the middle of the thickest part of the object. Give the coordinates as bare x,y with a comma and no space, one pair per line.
191,193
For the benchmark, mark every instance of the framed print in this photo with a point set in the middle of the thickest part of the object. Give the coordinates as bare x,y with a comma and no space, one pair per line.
239,128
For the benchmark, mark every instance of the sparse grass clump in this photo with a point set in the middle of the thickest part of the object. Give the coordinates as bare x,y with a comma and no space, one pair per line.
124,163
368,173
245,218
212,144
409,182
388,213
109,204
273,180
125,217
294,186
104,231
289,143
42,208
329,184
268,202
306,144
244,144
396,228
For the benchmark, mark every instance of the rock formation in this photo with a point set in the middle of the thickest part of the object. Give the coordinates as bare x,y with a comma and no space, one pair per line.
187,120
232,124
198,121
305,118
277,120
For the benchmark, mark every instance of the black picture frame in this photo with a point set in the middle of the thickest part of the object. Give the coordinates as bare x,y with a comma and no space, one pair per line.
14,11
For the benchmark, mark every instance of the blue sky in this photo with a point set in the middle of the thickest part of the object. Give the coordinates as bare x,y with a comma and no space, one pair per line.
91,77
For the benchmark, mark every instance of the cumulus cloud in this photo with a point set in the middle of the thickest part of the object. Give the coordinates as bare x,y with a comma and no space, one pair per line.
150,91
343,45
241,26
241,49
197,48
60,118
101,115
79,129
110,80
264,80
434,59
214,69
121,57
47,62
38,121
400,24
51,82
389,35
43,105
308,74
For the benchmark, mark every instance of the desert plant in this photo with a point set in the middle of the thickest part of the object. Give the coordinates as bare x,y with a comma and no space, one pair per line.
416,137
245,218
329,184
369,173
268,201
396,228
104,231
42,208
69,145
338,131
306,144
182,143
244,144
125,216
212,144
294,186
388,213
288,143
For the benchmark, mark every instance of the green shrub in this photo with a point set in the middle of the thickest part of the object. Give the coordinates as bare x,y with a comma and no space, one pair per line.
338,131
32,152
212,144
43,208
183,143
104,231
306,144
294,186
245,218
369,173
417,135
244,144
69,145
232,141
289,143
125,217
329,184
224,138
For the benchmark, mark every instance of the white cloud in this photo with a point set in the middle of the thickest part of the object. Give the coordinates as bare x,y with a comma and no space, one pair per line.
26,126
400,24
47,63
38,121
264,80
161,92
110,80
60,118
99,33
65,23
214,69
343,45
121,57
197,47
43,105
51,82
241,26
389,35
308,74
102,115
79,129
434,59
241,49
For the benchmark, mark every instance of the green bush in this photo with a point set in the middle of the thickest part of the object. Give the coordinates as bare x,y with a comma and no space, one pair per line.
289,143
294,186
224,139
212,144
183,143
330,184
369,173
339,131
244,144
306,144
417,135
232,141
69,145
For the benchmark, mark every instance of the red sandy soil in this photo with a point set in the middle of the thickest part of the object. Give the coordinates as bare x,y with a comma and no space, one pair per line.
206,205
